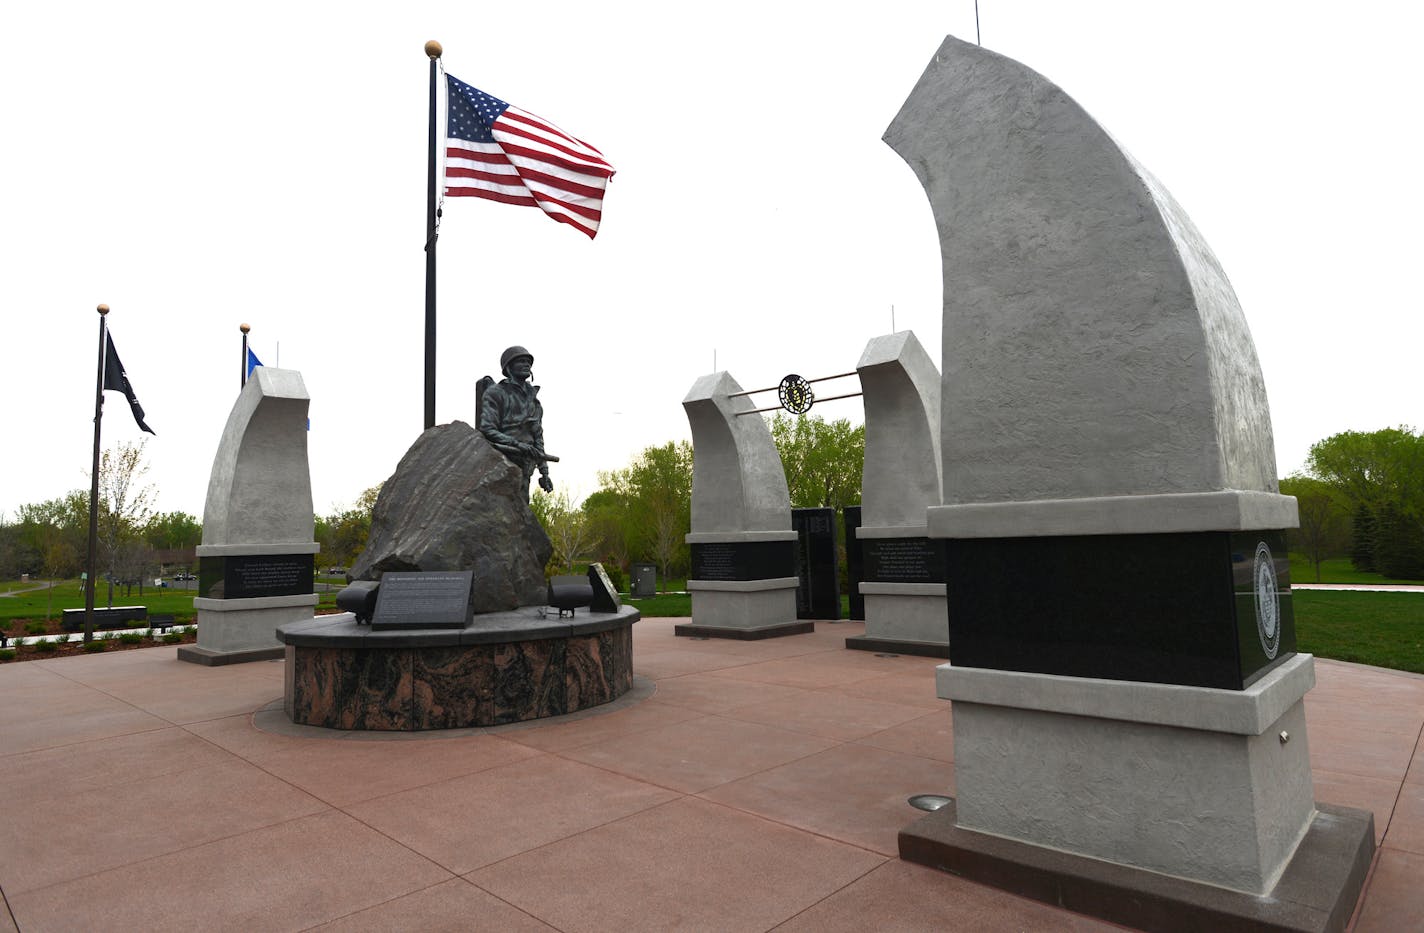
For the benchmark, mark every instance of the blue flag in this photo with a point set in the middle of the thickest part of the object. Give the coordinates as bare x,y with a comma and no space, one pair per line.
252,361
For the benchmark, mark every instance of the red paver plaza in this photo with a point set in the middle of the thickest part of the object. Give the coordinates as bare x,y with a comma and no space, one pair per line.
741,786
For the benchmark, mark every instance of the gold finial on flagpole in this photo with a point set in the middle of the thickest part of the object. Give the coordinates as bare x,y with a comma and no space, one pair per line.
244,328
103,309
433,49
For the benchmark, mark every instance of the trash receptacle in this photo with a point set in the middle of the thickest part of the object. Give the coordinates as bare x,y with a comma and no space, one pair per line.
644,582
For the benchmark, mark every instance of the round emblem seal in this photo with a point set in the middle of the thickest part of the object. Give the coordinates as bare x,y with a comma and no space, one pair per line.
1268,602
795,395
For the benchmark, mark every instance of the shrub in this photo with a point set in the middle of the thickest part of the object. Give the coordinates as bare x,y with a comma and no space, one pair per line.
172,638
95,646
45,645
34,628
7,654
131,638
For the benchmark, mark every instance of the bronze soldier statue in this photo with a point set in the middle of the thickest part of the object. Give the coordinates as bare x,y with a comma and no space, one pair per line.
512,419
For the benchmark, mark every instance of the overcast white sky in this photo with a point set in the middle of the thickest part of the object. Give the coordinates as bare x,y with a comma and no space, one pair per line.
196,167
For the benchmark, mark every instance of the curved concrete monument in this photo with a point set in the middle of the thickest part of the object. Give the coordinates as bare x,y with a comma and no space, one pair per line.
256,562
903,569
743,580
1123,670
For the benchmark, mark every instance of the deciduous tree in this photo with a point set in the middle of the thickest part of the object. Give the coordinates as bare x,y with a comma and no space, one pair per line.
124,502
1381,475
823,460
1324,519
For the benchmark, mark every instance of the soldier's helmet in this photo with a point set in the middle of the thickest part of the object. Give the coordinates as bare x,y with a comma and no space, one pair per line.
510,355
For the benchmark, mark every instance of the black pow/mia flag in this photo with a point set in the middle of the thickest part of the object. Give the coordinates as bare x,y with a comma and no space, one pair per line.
116,379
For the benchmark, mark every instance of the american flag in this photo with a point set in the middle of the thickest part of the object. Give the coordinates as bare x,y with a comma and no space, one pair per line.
497,151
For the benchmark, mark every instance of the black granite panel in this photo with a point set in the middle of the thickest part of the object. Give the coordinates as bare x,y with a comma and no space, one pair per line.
904,560
850,519
1158,608
744,560
1265,616
429,599
818,592
251,575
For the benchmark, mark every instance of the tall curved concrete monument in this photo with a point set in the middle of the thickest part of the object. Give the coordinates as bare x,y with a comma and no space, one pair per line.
1125,685
743,580
257,560
902,567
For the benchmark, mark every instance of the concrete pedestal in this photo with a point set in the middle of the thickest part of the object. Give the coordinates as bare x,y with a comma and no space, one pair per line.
1200,795
1206,784
905,618
744,609
236,630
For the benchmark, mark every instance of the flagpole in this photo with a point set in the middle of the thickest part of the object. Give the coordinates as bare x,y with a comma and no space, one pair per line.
433,50
94,482
244,328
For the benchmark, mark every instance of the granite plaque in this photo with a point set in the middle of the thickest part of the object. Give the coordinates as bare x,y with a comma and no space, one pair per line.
1265,617
818,594
744,560
1161,608
855,562
605,594
252,575
433,599
904,560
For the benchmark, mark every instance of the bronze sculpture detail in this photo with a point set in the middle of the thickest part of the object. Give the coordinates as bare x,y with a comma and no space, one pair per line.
512,419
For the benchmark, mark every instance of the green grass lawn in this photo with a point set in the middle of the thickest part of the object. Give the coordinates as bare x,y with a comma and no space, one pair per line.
1335,570
69,595
1382,629
663,605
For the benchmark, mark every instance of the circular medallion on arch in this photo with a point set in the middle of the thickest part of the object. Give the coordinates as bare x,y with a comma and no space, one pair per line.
1268,601
795,394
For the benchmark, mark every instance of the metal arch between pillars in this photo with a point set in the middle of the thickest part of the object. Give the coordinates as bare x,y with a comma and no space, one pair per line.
793,389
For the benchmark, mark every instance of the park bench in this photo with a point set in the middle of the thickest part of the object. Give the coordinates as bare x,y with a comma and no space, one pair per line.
161,624
113,617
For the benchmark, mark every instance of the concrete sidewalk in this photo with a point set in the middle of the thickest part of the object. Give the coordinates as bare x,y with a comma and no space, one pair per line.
746,786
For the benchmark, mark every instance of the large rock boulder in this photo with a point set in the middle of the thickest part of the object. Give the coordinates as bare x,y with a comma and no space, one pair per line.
454,503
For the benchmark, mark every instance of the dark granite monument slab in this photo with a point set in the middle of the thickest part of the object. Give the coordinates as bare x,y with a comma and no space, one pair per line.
818,593
903,560
1162,608
850,521
255,575
429,599
743,560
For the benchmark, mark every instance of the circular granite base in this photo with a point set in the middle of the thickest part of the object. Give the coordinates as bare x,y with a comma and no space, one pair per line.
504,667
